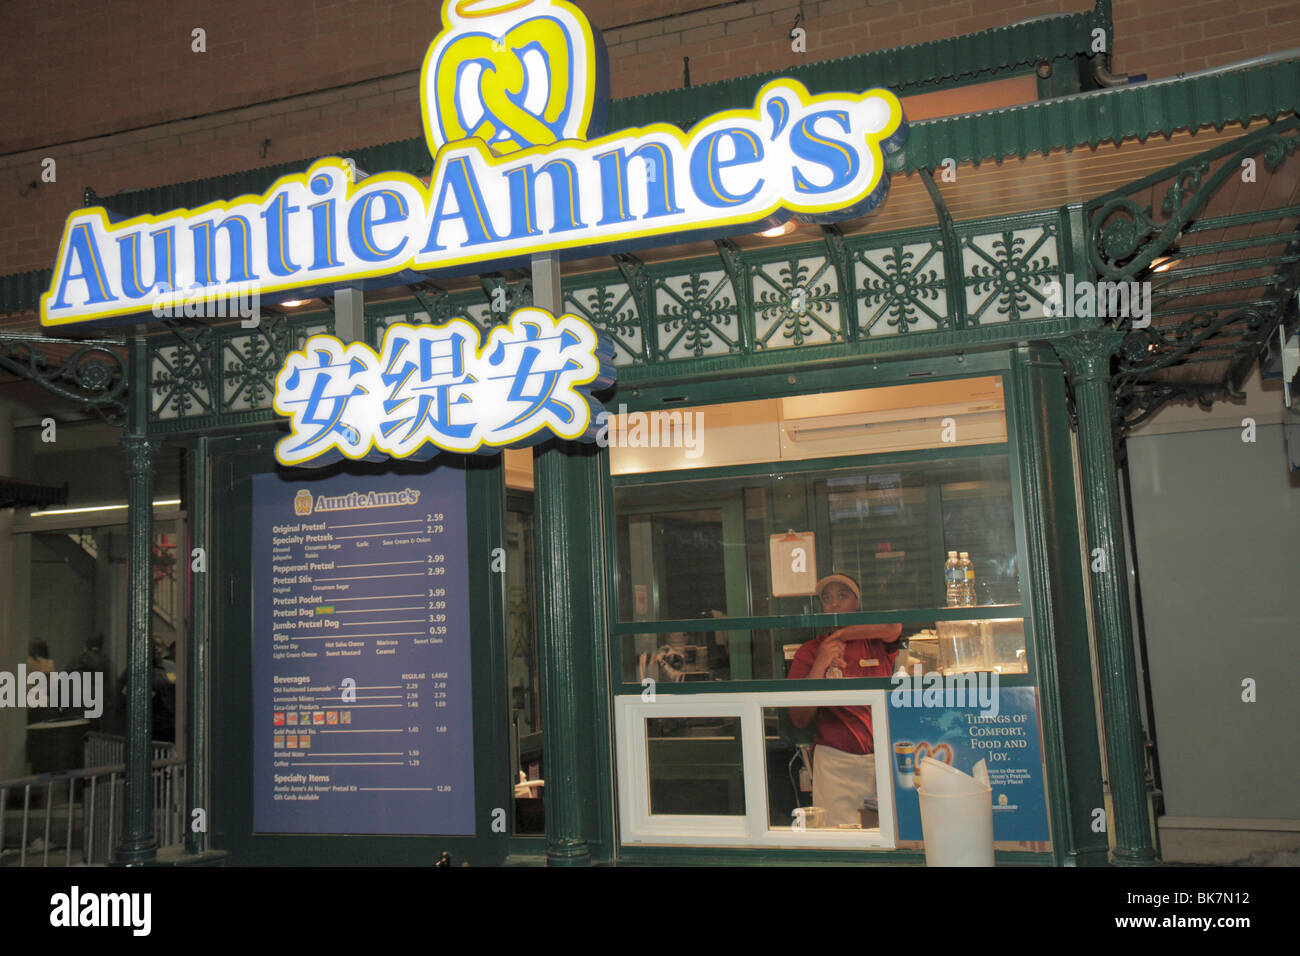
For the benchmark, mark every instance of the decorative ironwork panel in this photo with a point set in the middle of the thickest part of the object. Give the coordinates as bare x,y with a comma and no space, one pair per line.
901,288
1006,273
198,374
697,315
611,308
479,312
180,373
378,324
250,361
796,301
1126,237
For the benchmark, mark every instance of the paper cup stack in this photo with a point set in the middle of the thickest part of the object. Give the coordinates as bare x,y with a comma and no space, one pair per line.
956,814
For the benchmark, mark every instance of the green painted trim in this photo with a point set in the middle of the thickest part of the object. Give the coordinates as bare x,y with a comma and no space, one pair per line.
198,514
1087,358
801,379
193,368
570,641
1065,656
137,842
1139,110
1243,144
690,688
736,576
1020,508
1030,481
884,348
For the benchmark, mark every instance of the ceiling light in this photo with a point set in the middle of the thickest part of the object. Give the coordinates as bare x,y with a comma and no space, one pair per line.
51,512
777,231
294,303
1164,263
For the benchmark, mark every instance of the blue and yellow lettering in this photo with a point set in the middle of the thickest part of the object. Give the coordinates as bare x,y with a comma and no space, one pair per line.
239,235
82,248
277,236
706,167
806,143
164,262
661,194
361,222
613,187
324,236
458,179
564,198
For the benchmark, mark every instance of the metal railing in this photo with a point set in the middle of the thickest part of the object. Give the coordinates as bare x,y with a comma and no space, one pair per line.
102,749
84,808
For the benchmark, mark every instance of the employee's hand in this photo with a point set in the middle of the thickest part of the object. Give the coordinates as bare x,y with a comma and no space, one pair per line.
830,652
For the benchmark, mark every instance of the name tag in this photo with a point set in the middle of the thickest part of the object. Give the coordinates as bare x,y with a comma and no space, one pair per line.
868,663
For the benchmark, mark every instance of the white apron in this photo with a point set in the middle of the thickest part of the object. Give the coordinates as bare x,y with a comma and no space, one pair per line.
841,781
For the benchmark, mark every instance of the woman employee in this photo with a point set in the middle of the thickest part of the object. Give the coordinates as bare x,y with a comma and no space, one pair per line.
844,762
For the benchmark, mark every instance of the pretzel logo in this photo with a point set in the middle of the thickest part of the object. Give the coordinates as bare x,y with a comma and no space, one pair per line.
942,752
512,73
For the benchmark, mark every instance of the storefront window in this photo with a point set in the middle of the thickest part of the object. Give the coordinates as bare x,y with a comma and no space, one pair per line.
746,543
723,545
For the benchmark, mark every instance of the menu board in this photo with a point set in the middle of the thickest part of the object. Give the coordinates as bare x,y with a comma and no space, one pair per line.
361,660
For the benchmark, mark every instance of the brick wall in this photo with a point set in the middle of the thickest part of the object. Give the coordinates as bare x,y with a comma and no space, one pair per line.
344,73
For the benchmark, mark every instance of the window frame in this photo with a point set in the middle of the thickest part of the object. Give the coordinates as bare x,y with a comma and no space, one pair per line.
639,827
763,384
620,629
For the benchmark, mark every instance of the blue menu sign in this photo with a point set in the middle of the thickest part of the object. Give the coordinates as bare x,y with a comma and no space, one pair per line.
361,665
1006,738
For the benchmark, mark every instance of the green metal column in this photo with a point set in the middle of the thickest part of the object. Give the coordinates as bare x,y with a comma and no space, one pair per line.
1064,660
137,844
1087,358
196,747
569,543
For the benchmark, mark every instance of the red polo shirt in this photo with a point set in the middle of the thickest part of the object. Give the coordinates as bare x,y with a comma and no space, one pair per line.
847,728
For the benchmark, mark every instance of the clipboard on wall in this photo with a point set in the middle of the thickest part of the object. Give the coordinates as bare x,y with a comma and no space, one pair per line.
793,558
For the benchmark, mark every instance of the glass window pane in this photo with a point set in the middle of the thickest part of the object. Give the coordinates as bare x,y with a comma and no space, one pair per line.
813,784
695,766
877,420
702,548
946,647
523,674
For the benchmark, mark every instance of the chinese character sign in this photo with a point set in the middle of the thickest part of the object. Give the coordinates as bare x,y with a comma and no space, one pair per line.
439,387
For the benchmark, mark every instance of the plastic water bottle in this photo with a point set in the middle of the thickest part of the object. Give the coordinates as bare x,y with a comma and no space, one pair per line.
952,575
967,581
